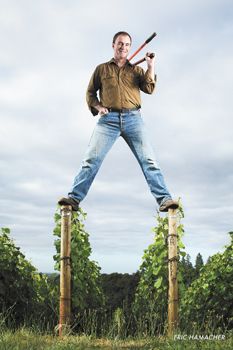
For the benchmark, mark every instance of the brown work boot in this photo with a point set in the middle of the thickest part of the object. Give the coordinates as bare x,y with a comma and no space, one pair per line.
69,201
169,204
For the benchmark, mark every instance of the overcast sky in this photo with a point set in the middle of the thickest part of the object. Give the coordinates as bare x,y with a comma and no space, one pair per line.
49,49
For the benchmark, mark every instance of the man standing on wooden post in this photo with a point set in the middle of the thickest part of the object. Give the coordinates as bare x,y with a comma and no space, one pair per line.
118,106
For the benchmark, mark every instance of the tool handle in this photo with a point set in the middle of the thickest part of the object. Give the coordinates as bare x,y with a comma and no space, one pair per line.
137,51
152,55
141,47
150,38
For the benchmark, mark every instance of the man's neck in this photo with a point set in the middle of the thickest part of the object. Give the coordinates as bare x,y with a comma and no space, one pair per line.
120,62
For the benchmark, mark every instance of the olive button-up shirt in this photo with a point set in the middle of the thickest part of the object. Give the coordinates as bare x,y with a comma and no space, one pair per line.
118,87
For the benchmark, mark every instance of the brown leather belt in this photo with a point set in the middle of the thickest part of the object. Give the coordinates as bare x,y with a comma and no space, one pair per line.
123,110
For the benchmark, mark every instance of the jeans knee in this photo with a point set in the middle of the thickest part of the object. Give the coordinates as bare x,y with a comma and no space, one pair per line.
151,164
91,162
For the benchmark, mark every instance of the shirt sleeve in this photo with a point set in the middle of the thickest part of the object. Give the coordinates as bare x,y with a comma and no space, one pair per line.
91,94
147,84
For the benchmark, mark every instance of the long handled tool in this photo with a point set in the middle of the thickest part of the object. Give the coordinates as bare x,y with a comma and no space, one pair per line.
141,47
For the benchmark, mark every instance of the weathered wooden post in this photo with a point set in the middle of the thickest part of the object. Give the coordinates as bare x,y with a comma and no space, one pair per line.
172,272
65,269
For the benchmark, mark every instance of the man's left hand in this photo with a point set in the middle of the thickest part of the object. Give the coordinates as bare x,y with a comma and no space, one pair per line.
150,61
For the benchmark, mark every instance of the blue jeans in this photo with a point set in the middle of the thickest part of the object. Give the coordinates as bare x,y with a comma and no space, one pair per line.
108,128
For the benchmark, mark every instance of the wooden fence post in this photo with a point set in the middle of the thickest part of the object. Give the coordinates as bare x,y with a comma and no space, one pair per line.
65,270
172,272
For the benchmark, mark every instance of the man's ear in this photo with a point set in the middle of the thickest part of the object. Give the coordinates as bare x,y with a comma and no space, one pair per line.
113,45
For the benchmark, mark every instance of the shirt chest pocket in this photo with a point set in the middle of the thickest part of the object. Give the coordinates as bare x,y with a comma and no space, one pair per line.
109,82
129,78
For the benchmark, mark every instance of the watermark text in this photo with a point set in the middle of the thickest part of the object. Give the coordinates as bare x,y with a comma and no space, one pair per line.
199,337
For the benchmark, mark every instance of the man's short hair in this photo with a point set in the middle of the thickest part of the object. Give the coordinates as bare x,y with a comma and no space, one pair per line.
121,33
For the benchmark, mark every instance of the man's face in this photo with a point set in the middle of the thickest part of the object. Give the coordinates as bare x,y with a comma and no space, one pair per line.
121,46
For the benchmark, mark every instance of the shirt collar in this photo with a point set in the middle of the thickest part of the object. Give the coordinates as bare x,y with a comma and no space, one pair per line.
114,61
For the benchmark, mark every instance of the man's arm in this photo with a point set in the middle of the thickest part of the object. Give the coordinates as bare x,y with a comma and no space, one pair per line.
148,78
150,66
91,94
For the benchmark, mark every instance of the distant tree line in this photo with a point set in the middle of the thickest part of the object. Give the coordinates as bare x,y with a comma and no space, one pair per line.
119,288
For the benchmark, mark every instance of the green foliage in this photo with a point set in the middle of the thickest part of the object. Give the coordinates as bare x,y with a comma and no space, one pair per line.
198,264
85,273
209,298
119,289
151,294
116,319
187,270
205,292
119,321
23,290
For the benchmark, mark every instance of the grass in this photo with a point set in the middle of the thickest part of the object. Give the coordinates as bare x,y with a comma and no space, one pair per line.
25,339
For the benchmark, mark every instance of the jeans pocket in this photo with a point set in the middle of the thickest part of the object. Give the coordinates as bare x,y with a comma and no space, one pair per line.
104,115
136,113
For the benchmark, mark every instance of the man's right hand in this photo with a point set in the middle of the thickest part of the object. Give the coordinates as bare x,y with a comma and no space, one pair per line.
102,110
